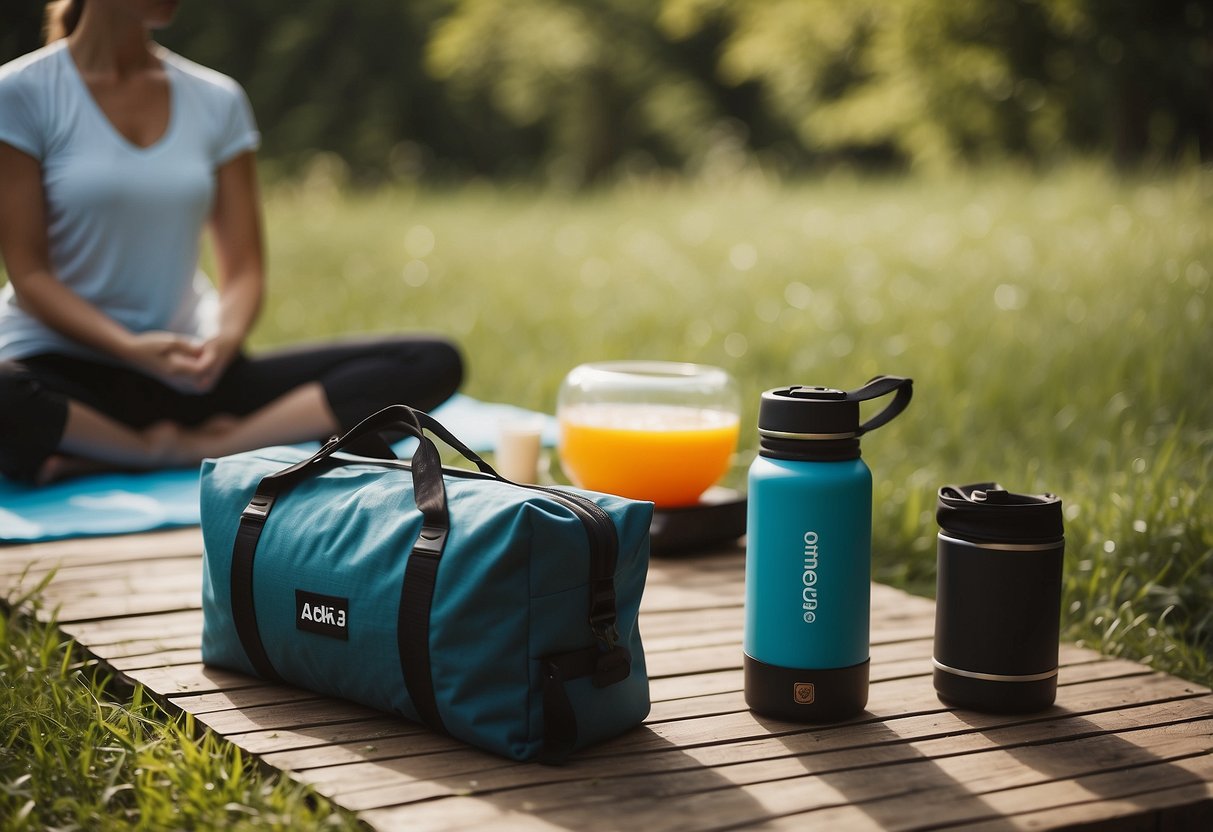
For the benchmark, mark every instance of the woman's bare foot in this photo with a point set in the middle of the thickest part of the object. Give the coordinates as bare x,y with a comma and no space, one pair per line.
163,445
59,467
166,444
298,416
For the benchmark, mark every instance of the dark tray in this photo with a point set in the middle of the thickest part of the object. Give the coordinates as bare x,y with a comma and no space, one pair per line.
718,519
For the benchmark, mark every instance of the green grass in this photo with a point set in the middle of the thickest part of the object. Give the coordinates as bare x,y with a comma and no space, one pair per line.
76,752
1057,327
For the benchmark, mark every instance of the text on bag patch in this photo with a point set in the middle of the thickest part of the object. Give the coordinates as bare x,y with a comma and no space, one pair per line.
325,615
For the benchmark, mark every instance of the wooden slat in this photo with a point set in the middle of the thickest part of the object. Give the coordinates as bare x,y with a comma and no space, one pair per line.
261,694
167,657
291,715
124,606
118,630
165,682
360,731
87,551
98,573
151,652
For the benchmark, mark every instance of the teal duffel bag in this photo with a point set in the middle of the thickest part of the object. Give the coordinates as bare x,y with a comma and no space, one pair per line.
501,614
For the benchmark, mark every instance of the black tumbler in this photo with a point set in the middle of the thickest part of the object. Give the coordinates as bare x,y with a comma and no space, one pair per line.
998,599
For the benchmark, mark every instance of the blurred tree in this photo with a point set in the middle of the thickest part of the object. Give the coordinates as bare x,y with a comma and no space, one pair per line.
330,75
596,80
571,90
942,82
20,27
1137,77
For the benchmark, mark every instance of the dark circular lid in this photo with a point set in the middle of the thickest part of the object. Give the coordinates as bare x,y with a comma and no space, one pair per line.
800,412
986,512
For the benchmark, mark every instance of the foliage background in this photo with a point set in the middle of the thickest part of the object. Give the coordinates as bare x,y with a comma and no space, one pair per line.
572,91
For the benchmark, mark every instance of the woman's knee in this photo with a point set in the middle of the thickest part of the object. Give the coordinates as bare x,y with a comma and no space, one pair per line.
432,367
31,421
450,368
20,394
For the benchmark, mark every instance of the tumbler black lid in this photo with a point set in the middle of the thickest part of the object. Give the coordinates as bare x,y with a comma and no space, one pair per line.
801,412
986,511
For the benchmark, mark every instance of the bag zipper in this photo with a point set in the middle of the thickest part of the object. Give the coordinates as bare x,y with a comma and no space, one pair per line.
603,536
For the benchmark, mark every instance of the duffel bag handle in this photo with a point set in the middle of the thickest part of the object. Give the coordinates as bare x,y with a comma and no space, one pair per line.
426,467
413,420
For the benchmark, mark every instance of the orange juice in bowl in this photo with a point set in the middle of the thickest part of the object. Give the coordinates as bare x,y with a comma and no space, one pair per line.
648,430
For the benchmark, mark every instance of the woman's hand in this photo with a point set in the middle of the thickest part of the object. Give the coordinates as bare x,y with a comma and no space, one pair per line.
174,359
215,356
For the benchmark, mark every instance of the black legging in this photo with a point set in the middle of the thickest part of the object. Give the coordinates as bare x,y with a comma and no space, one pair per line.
358,377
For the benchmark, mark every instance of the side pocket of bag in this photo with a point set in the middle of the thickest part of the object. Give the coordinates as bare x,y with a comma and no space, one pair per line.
585,694
568,711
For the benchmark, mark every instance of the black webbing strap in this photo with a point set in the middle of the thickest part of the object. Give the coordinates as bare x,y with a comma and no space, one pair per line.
244,551
244,612
559,718
420,576
413,623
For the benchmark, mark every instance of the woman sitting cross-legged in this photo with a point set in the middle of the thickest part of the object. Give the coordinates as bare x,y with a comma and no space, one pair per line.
115,352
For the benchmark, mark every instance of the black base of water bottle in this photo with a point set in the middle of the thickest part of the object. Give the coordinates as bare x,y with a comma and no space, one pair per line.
993,696
820,695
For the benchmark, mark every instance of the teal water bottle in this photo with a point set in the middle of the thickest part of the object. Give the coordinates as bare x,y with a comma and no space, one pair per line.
809,550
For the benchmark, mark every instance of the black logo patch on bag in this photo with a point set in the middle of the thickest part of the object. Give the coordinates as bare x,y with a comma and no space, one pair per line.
325,615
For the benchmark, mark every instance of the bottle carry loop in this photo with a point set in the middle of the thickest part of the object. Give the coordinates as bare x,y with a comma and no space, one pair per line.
882,386
606,663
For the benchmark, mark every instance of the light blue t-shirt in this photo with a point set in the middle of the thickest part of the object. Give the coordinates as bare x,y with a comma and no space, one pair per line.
124,223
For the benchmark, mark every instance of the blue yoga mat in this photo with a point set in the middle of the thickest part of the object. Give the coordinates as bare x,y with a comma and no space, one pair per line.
125,503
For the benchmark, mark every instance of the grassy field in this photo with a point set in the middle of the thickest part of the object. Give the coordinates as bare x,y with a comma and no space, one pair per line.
79,752
1058,328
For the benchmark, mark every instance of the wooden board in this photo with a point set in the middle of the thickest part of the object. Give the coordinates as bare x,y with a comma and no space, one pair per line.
1124,748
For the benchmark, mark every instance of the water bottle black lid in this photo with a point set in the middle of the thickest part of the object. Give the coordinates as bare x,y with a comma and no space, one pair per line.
822,413
987,512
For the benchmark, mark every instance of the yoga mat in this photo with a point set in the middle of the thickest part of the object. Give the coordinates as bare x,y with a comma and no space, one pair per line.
104,504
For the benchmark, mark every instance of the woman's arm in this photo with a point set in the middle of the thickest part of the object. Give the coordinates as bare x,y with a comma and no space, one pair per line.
23,243
236,231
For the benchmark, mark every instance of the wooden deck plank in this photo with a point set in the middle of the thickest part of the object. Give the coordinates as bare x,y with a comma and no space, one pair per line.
261,694
119,630
43,557
357,731
1124,745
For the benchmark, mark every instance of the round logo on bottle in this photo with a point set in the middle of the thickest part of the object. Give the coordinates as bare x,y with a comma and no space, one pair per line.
804,693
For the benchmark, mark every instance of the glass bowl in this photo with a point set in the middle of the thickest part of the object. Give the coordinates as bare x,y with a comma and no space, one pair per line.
648,430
